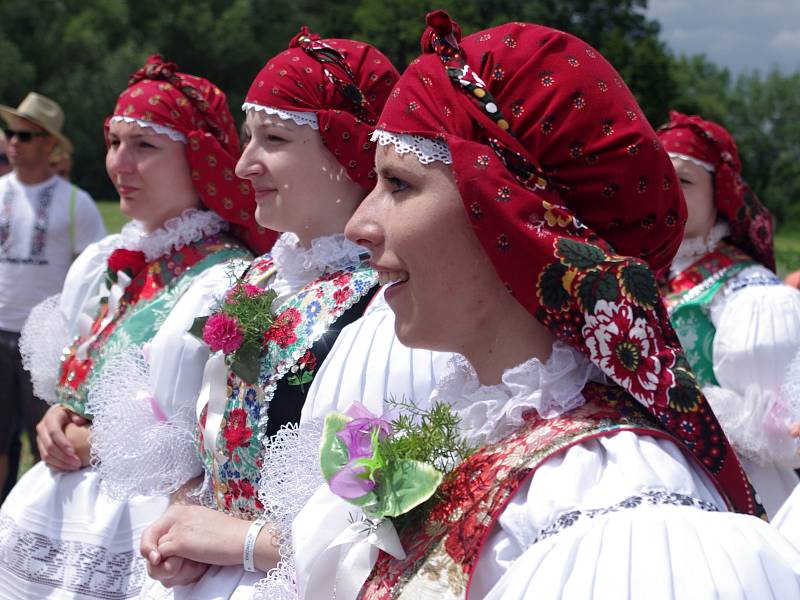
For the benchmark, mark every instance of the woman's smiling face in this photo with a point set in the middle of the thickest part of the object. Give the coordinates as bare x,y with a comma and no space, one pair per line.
446,294
299,185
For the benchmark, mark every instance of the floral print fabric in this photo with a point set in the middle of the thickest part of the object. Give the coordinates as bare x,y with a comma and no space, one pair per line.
565,182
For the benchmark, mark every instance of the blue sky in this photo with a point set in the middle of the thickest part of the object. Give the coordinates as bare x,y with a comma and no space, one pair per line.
739,34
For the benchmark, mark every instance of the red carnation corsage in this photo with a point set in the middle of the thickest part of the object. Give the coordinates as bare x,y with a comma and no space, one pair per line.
130,262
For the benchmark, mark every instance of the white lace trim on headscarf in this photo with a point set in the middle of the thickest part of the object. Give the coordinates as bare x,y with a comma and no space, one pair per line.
427,150
299,117
136,449
175,136
41,344
190,227
700,163
490,412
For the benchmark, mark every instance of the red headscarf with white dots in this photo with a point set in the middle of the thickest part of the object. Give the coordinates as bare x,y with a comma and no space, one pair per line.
344,83
194,110
574,200
710,145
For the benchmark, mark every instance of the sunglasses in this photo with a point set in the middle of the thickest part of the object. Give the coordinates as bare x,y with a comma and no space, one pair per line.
23,136
3,159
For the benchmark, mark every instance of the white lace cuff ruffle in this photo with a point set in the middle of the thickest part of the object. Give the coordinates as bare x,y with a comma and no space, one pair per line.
757,423
427,150
190,227
175,136
490,412
42,341
136,448
289,478
299,117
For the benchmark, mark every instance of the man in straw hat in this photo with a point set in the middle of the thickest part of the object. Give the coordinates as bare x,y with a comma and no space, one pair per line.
44,223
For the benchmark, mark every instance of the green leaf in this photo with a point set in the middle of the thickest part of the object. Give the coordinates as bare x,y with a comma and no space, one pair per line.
404,485
197,327
640,284
580,255
247,362
551,286
332,451
597,285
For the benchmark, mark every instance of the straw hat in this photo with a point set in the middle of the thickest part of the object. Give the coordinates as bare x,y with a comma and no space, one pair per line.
43,111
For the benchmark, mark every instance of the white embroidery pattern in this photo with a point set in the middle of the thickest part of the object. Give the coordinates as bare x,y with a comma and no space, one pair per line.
427,150
299,117
175,136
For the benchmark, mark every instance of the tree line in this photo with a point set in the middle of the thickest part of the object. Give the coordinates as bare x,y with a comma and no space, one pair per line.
81,52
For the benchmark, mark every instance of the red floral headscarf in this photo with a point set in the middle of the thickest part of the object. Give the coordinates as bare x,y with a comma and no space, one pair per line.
709,143
565,183
343,82
197,110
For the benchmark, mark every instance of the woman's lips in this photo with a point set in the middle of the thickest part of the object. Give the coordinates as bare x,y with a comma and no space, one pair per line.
263,193
126,190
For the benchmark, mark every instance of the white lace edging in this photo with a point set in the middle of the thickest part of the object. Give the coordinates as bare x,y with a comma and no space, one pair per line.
41,343
427,150
190,227
289,478
700,163
490,412
330,253
135,448
175,136
757,422
299,117
693,249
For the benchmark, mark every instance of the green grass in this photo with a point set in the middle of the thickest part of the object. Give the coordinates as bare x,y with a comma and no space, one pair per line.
112,216
787,250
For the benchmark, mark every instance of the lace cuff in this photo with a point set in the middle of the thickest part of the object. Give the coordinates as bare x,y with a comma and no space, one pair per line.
136,448
175,136
289,478
299,117
427,150
757,423
41,344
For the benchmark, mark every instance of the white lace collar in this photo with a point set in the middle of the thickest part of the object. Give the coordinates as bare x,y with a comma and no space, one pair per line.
190,227
693,249
327,254
490,412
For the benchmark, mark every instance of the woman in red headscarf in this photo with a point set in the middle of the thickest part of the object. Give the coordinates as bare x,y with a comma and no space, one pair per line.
739,324
518,180
172,147
309,114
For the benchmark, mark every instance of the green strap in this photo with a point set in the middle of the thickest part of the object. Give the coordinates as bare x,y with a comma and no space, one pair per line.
72,196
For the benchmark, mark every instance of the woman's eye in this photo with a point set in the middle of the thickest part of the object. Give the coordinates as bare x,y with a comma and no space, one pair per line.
685,181
275,138
146,145
397,184
114,143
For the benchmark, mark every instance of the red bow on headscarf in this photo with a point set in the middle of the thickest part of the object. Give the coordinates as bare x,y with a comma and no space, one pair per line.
573,199
344,82
749,220
198,109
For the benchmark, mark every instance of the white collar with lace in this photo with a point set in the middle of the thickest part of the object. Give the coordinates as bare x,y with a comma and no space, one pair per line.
327,254
490,412
693,249
190,227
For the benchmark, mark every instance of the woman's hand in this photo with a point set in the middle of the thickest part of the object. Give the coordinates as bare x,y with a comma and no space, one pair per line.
176,570
202,535
78,436
56,450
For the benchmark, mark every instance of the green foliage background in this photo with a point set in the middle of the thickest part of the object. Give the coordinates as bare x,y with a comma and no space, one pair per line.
82,51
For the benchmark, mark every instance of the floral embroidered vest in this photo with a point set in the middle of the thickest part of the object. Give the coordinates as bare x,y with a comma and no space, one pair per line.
303,332
443,551
689,295
145,304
